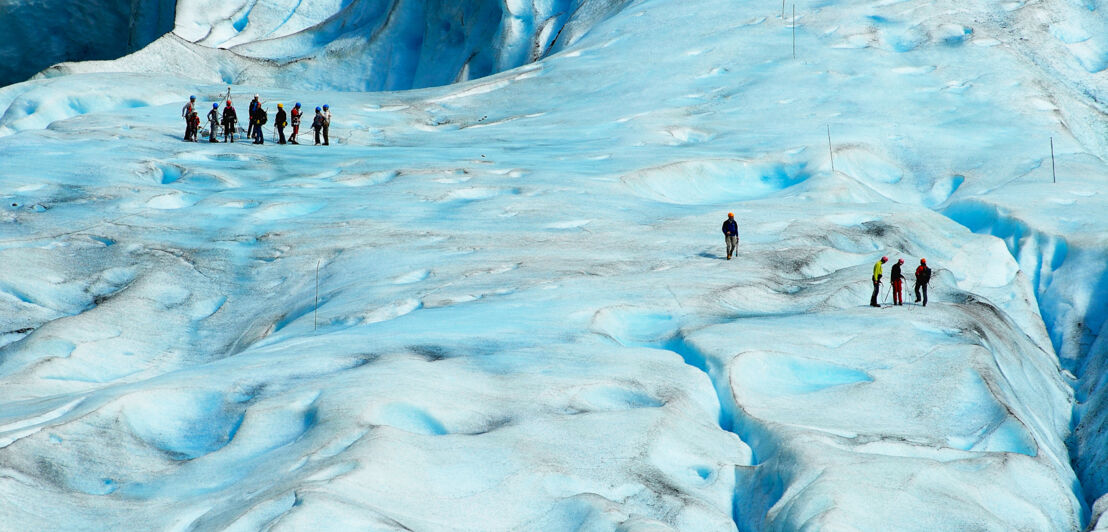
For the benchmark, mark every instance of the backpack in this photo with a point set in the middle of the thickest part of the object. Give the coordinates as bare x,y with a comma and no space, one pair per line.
923,274
262,117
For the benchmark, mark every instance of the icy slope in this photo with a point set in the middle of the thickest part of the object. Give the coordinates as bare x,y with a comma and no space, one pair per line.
360,44
524,319
39,34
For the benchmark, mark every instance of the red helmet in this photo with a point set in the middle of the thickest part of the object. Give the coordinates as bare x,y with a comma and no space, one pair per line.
901,261
923,261
228,102
884,259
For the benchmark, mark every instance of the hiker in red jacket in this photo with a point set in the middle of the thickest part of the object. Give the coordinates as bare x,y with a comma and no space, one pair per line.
295,121
923,276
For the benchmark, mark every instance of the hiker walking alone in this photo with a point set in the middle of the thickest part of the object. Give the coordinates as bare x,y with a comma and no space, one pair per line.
731,234
213,122
186,111
317,123
230,118
326,123
281,123
877,271
898,283
295,115
923,276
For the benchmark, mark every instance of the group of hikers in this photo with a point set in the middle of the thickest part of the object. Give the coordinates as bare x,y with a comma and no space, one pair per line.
258,117
923,276
923,272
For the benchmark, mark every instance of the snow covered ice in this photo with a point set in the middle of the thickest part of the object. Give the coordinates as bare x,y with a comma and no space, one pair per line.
499,299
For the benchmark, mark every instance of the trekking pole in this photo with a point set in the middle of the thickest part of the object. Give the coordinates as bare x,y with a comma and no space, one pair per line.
887,292
316,317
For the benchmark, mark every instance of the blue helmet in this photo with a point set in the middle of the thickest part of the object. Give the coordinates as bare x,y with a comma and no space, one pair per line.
318,109
325,106
215,105
297,105
192,97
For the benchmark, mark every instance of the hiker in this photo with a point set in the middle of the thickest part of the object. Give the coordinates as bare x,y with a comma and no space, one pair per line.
230,118
193,126
296,112
255,104
185,111
281,123
923,276
213,122
731,234
326,123
898,283
877,271
259,120
317,123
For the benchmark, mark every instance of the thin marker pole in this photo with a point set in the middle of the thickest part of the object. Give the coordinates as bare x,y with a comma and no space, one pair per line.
829,151
782,9
1052,172
794,31
317,294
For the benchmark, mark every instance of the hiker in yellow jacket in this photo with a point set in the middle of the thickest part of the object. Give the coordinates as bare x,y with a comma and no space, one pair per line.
877,271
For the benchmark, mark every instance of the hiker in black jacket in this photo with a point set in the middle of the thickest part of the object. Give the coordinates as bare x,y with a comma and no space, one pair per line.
259,119
254,105
898,283
281,123
230,118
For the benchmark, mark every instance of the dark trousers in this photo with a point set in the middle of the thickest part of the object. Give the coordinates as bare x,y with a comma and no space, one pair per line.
229,131
325,142
280,135
258,135
924,288
876,289
317,135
